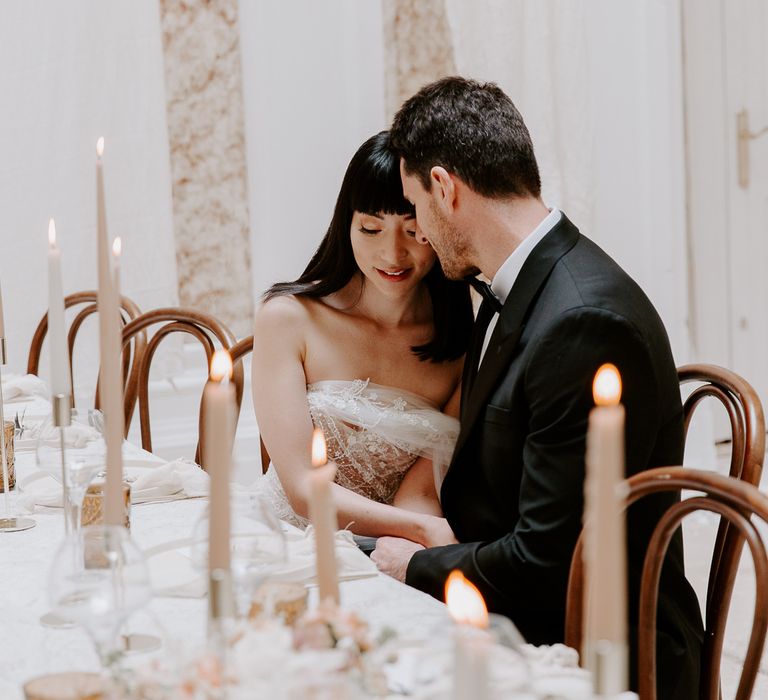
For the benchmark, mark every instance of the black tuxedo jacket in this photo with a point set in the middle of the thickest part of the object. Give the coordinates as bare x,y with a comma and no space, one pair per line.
514,491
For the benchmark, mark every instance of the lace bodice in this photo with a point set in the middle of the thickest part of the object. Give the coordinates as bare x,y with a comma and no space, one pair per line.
373,434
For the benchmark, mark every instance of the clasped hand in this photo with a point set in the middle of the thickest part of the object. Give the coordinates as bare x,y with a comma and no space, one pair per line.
393,554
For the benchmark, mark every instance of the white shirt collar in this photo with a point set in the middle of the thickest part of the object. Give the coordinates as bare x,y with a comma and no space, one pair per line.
505,276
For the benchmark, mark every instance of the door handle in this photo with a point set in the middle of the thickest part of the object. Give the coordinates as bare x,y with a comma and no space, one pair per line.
743,137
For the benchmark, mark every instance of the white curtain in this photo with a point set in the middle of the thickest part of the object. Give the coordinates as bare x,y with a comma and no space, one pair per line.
72,72
313,89
599,85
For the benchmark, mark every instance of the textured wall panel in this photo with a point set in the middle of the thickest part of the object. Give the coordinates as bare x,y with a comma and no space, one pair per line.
418,47
205,128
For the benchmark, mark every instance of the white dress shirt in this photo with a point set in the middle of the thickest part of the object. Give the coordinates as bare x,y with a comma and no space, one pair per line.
505,276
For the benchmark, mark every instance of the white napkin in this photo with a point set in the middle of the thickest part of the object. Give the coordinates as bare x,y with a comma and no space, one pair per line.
17,387
173,574
171,481
76,435
352,563
181,476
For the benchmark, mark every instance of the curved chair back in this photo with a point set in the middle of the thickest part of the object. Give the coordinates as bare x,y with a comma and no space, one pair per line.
131,355
745,414
239,351
735,501
203,327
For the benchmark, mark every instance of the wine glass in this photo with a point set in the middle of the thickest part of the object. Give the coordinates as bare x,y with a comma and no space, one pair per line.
98,585
83,456
257,547
73,454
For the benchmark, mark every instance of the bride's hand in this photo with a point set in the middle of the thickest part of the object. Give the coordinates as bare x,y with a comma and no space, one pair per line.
437,532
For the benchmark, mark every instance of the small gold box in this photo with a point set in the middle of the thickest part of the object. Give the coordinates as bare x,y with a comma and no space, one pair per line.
282,598
93,505
9,454
72,685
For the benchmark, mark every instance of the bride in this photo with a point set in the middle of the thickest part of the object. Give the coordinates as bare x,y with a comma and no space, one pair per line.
367,345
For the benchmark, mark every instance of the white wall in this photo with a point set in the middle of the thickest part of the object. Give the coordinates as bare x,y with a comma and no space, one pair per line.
313,84
71,72
599,85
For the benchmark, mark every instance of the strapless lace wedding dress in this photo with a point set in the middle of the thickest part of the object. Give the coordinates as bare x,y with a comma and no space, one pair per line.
374,434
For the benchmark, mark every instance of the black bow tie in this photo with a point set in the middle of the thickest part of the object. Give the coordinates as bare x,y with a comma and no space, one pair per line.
485,291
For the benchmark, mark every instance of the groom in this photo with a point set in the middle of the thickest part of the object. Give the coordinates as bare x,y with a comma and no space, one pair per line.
557,308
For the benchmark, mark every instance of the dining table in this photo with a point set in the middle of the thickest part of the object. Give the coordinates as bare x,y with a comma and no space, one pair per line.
162,525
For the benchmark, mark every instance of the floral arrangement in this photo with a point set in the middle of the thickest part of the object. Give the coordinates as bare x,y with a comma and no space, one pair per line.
330,627
266,658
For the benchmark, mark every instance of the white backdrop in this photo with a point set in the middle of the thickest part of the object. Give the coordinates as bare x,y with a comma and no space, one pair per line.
598,82
70,72
599,85
313,84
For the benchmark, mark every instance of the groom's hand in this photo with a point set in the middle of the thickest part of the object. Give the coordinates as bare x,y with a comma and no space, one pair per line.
392,555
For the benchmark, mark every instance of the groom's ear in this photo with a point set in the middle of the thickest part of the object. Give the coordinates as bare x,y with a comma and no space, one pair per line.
443,188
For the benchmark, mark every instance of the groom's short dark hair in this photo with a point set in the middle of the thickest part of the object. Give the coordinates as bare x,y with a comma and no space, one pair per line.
471,129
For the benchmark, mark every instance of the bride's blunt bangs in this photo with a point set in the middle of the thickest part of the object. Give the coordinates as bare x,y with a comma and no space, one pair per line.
372,185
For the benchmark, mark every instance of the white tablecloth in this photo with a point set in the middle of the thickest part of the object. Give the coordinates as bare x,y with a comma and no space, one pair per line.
28,649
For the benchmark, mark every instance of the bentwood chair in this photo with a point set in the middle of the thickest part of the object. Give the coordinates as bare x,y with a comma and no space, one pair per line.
132,353
745,415
209,331
239,351
733,500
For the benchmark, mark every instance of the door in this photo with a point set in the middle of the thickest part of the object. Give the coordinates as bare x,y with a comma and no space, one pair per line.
746,88
726,92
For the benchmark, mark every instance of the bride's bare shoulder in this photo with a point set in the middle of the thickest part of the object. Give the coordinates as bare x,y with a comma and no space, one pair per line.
289,311
279,310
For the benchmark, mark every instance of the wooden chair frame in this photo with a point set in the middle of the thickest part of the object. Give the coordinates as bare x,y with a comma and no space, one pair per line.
733,500
747,421
239,351
131,357
207,330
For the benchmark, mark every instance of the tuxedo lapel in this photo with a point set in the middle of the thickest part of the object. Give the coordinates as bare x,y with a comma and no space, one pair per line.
511,322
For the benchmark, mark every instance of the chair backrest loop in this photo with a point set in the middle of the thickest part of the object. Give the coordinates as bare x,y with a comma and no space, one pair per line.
131,355
207,330
239,351
735,501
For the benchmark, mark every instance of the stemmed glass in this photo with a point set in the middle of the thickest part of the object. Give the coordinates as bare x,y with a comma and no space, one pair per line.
85,454
257,547
98,585
79,474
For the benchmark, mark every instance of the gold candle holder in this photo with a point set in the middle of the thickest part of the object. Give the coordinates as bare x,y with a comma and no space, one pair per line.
93,505
283,599
9,430
221,603
65,686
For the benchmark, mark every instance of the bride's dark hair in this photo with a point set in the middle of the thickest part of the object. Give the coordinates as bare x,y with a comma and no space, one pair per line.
372,185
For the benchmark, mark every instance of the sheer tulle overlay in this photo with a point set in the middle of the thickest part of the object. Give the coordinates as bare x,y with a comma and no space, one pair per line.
374,434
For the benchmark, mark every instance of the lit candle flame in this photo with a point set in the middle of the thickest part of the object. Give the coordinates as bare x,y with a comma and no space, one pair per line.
606,388
465,603
221,366
52,233
117,247
319,454
100,147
